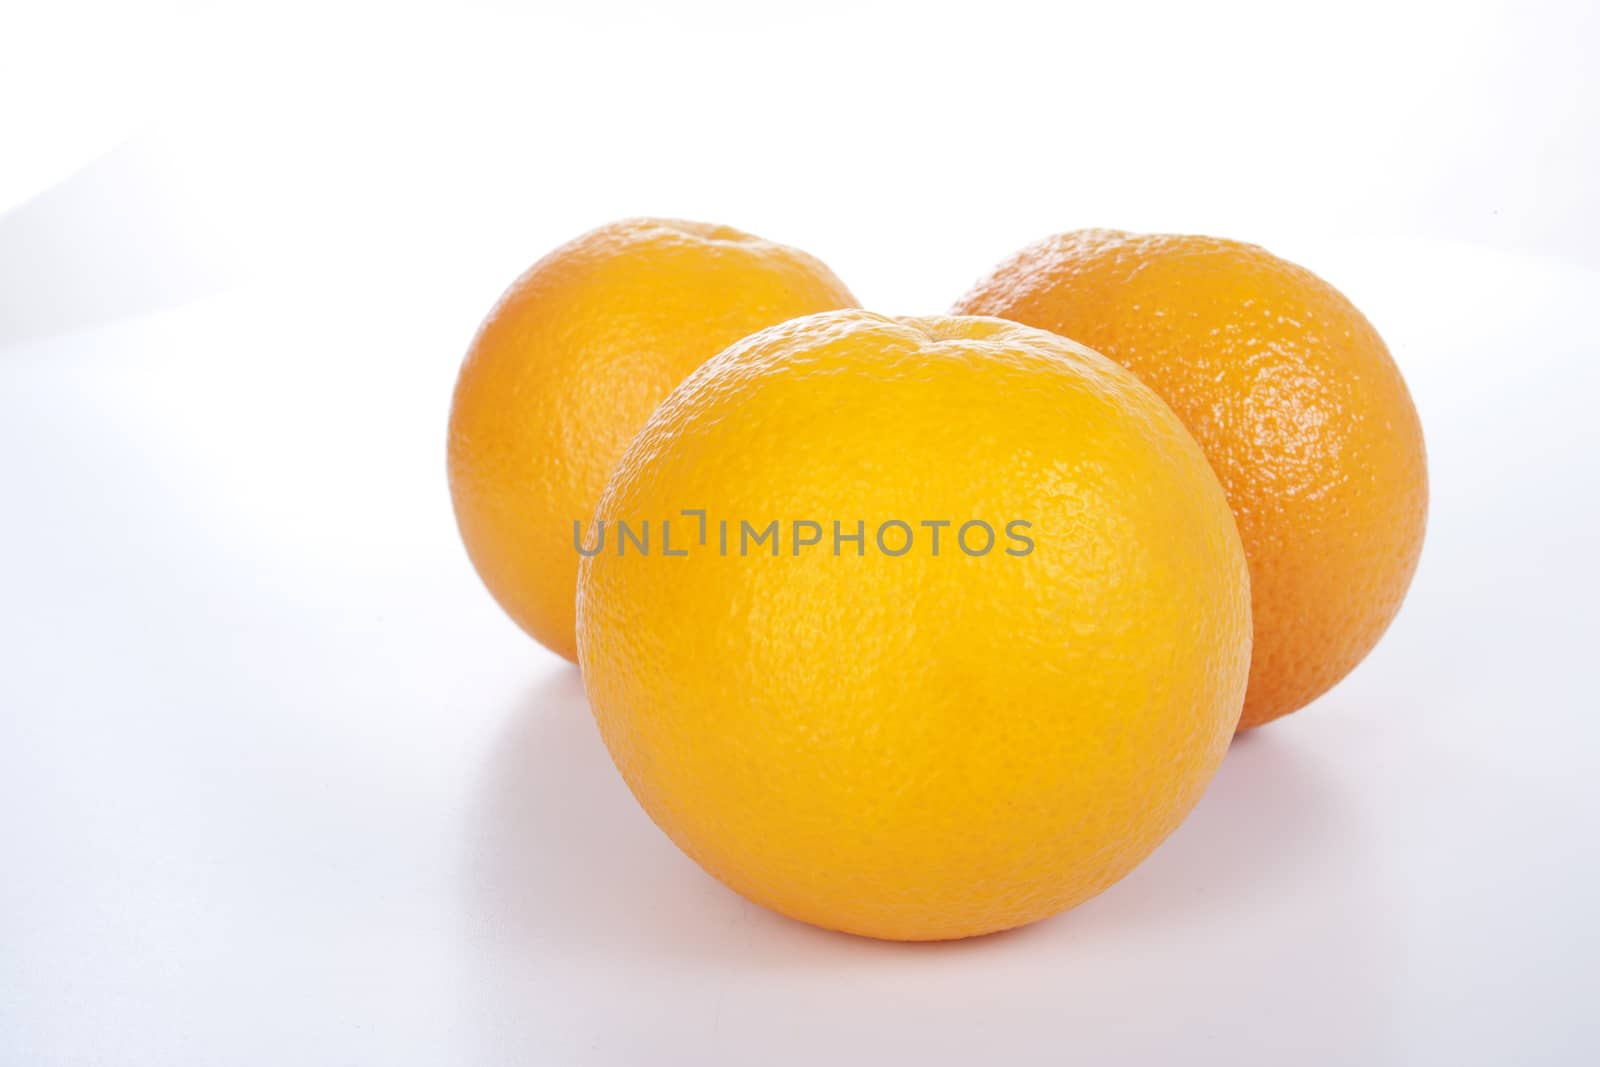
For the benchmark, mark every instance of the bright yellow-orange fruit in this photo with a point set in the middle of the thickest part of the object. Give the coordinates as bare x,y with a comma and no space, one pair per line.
894,727
1297,404
568,366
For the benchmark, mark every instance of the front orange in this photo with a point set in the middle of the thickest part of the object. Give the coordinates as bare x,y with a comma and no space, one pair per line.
942,624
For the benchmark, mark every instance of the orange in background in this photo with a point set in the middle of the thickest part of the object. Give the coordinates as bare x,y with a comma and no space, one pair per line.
571,362
1299,408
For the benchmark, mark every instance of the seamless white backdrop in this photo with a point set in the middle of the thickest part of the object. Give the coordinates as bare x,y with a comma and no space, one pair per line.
882,136
278,783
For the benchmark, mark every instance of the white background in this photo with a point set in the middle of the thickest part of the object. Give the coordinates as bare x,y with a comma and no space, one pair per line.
279,784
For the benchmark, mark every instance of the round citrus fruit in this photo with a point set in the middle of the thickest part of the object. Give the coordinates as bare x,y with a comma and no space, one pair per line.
568,366
918,628
1298,406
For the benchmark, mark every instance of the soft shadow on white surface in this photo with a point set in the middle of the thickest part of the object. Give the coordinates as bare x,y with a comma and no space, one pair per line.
1267,812
569,863
568,858
592,933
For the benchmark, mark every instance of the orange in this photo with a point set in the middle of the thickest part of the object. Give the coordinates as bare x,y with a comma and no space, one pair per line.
568,366
875,732
1297,404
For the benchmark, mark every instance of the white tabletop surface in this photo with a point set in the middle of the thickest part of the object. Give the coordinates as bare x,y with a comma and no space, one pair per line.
280,785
